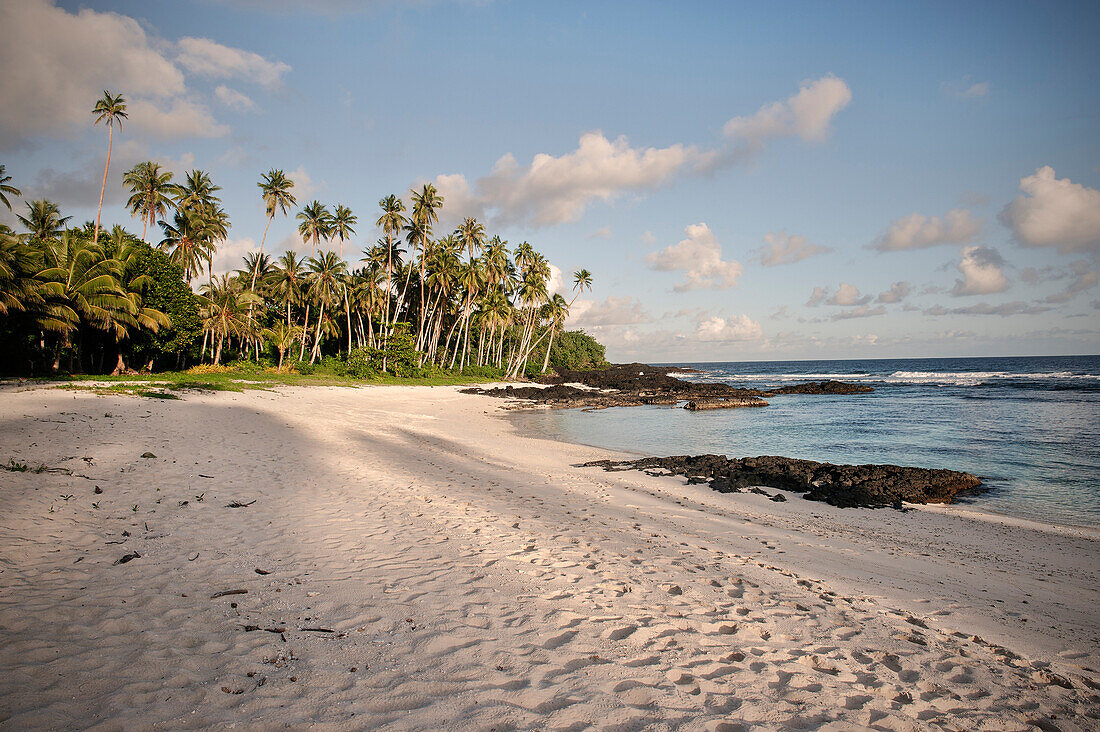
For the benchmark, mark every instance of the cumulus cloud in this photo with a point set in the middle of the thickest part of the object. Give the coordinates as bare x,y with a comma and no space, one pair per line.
231,252
847,296
958,226
608,312
57,64
184,118
863,311
807,114
719,329
555,189
979,90
783,248
234,99
817,297
699,256
211,59
1055,212
897,292
304,187
982,272
1004,310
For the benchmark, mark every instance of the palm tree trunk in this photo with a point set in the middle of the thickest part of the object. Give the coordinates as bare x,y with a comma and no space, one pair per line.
256,267
103,188
316,350
549,344
347,307
305,329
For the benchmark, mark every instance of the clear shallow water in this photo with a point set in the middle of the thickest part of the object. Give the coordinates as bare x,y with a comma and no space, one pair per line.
1029,426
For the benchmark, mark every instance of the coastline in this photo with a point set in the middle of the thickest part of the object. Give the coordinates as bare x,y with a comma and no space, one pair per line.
451,554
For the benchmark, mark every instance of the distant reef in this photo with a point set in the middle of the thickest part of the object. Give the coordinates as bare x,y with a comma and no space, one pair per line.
838,485
636,384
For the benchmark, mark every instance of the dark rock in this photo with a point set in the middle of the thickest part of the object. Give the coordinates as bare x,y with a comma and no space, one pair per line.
824,387
838,485
148,455
696,405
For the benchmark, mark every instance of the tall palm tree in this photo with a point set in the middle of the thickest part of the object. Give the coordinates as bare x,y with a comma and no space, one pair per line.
43,220
289,280
275,189
152,193
425,214
197,193
187,243
391,222
327,273
282,336
316,224
6,189
111,110
342,225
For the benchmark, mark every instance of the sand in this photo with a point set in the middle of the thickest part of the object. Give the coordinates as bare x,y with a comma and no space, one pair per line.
472,579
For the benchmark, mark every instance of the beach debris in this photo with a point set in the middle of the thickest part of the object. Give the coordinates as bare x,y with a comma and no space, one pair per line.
97,490
227,690
148,455
225,593
318,630
674,590
277,631
238,504
127,557
261,571
192,556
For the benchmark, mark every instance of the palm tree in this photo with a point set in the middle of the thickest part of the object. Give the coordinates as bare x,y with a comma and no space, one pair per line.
391,223
316,224
289,280
6,189
221,312
152,193
472,235
282,336
197,193
327,272
275,190
111,110
187,243
341,225
424,216
557,312
43,220
133,282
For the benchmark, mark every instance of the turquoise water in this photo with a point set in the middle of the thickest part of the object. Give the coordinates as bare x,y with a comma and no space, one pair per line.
1029,426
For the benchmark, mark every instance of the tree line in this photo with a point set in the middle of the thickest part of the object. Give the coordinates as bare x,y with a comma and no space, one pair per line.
89,299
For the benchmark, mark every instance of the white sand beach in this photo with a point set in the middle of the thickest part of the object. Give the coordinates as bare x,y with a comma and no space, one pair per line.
405,560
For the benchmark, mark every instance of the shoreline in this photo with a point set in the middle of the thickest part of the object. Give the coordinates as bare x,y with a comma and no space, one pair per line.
473,577
965,509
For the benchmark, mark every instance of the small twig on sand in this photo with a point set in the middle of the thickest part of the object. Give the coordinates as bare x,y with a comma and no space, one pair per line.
223,593
238,504
127,557
318,630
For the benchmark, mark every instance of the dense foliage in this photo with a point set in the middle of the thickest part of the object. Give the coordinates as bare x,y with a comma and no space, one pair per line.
416,303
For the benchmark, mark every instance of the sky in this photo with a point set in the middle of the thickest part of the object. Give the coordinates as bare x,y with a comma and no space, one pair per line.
745,181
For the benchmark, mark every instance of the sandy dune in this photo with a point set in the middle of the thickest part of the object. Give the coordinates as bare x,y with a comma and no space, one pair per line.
411,562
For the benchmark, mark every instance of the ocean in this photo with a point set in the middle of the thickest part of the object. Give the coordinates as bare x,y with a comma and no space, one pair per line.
1029,426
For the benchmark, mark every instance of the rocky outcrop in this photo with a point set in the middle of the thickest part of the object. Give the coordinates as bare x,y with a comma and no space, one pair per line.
838,485
697,405
636,384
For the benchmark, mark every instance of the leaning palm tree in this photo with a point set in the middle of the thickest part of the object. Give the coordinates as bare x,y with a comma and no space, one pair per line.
342,225
111,110
152,193
316,224
43,220
275,189
6,189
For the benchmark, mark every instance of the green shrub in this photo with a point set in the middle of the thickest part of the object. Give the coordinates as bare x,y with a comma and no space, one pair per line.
361,363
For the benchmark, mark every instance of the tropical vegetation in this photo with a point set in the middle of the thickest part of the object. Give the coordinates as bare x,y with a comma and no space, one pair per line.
419,301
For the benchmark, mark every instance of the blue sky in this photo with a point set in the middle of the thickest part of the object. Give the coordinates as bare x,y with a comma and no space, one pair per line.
745,181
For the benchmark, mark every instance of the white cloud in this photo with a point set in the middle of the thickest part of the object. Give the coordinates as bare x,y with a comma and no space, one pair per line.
1056,213
1004,310
718,329
604,232
57,64
648,238
699,256
304,187
806,114
783,248
817,296
958,226
976,91
231,252
553,190
897,292
555,283
609,312
863,311
183,119
234,99
848,296
981,268
558,189
209,58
